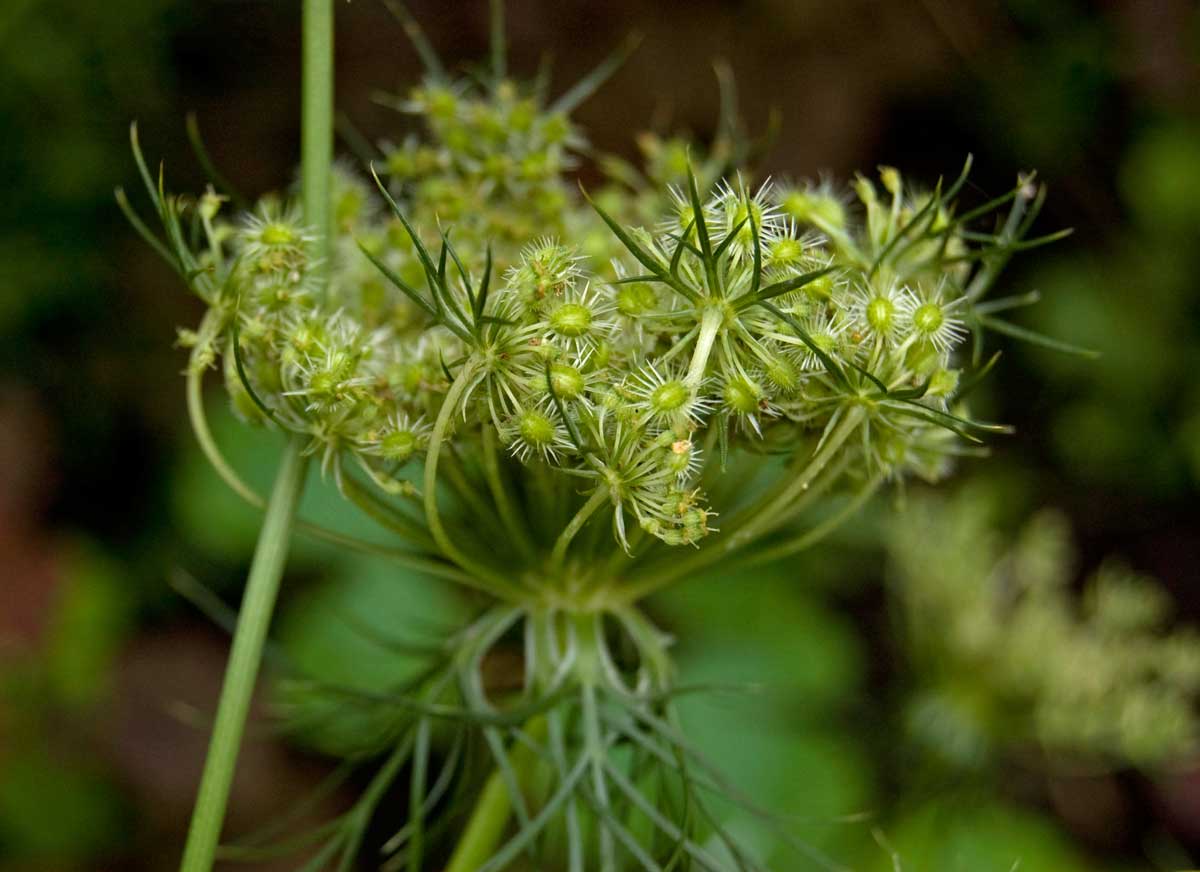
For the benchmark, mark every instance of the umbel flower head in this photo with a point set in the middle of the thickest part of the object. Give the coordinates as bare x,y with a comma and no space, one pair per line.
563,401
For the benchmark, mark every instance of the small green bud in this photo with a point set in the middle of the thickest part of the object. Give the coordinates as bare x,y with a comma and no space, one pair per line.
880,314
782,373
785,251
571,319
276,234
928,318
400,445
636,299
742,395
536,428
943,383
668,397
568,381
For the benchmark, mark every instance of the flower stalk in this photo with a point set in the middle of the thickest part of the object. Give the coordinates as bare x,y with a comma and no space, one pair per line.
254,617
271,550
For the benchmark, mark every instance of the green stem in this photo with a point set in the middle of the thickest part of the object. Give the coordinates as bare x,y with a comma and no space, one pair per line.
254,617
513,522
596,500
384,514
212,452
710,324
817,533
270,554
492,810
489,579
769,516
316,120
752,522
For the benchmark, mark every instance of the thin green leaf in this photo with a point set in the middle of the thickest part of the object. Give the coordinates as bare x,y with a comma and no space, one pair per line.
648,260
241,371
680,247
416,36
729,239
527,834
398,282
962,426
976,378
831,365
1004,304
1007,328
210,169
756,278
590,83
484,284
417,795
706,254
778,289
144,231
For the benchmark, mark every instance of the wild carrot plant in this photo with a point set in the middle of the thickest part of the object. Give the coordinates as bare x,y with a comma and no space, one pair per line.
563,401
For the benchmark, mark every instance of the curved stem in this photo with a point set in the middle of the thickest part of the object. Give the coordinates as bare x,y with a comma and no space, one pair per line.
489,578
753,522
212,453
767,517
817,533
254,617
596,500
513,521
387,516
208,445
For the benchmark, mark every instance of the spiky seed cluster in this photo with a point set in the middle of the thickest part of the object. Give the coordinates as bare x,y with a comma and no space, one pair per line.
537,362
745,317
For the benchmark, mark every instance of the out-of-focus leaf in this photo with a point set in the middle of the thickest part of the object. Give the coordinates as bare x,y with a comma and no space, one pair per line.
90,620
55,811
213,518
759,625
362,629
777,739
950,836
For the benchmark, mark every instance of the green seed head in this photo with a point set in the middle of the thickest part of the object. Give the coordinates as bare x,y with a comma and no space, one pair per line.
568,381
782,373
535,427
881,314
742,396
400,445
636,299
928,318
669,397
571,319
278,234
785,252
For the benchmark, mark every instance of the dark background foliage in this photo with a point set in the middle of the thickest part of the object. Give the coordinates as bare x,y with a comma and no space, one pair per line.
108,675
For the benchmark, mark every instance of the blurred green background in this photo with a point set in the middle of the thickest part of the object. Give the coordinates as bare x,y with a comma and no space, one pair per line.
107,674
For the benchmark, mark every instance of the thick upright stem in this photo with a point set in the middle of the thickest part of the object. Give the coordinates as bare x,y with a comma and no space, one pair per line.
316,120
270,554
492,810
249,636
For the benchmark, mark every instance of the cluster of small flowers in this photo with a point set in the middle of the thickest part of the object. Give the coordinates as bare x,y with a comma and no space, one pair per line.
1019,658
754,318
